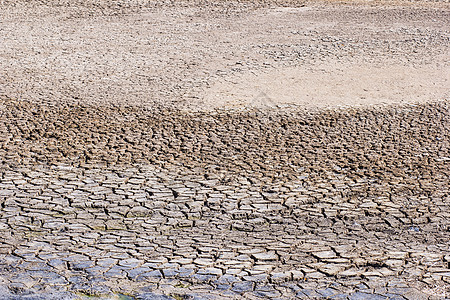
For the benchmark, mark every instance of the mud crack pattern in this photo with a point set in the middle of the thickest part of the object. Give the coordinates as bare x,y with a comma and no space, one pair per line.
114,200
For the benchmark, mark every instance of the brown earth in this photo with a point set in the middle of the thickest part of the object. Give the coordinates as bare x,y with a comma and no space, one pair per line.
205,55
224,149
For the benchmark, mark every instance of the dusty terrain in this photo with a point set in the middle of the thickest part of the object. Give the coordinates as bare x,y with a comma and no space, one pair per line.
224,54
220,149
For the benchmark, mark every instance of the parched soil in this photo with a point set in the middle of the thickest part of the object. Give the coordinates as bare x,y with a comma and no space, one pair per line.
221,149
207,55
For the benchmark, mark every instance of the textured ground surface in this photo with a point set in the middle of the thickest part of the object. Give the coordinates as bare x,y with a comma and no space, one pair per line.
303,204
224,54
107,188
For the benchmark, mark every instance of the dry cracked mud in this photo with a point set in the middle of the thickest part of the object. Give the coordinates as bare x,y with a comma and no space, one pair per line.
224,150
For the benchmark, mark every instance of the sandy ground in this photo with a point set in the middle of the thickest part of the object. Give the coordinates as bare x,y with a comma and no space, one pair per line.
225,54
332,85
108,189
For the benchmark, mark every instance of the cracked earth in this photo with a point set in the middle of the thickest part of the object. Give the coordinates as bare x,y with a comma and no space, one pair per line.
224,150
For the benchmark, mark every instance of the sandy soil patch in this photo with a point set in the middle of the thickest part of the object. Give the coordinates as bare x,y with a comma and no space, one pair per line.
224,53
331,85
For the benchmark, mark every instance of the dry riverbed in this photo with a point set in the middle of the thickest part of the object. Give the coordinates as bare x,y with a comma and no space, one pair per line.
221,149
